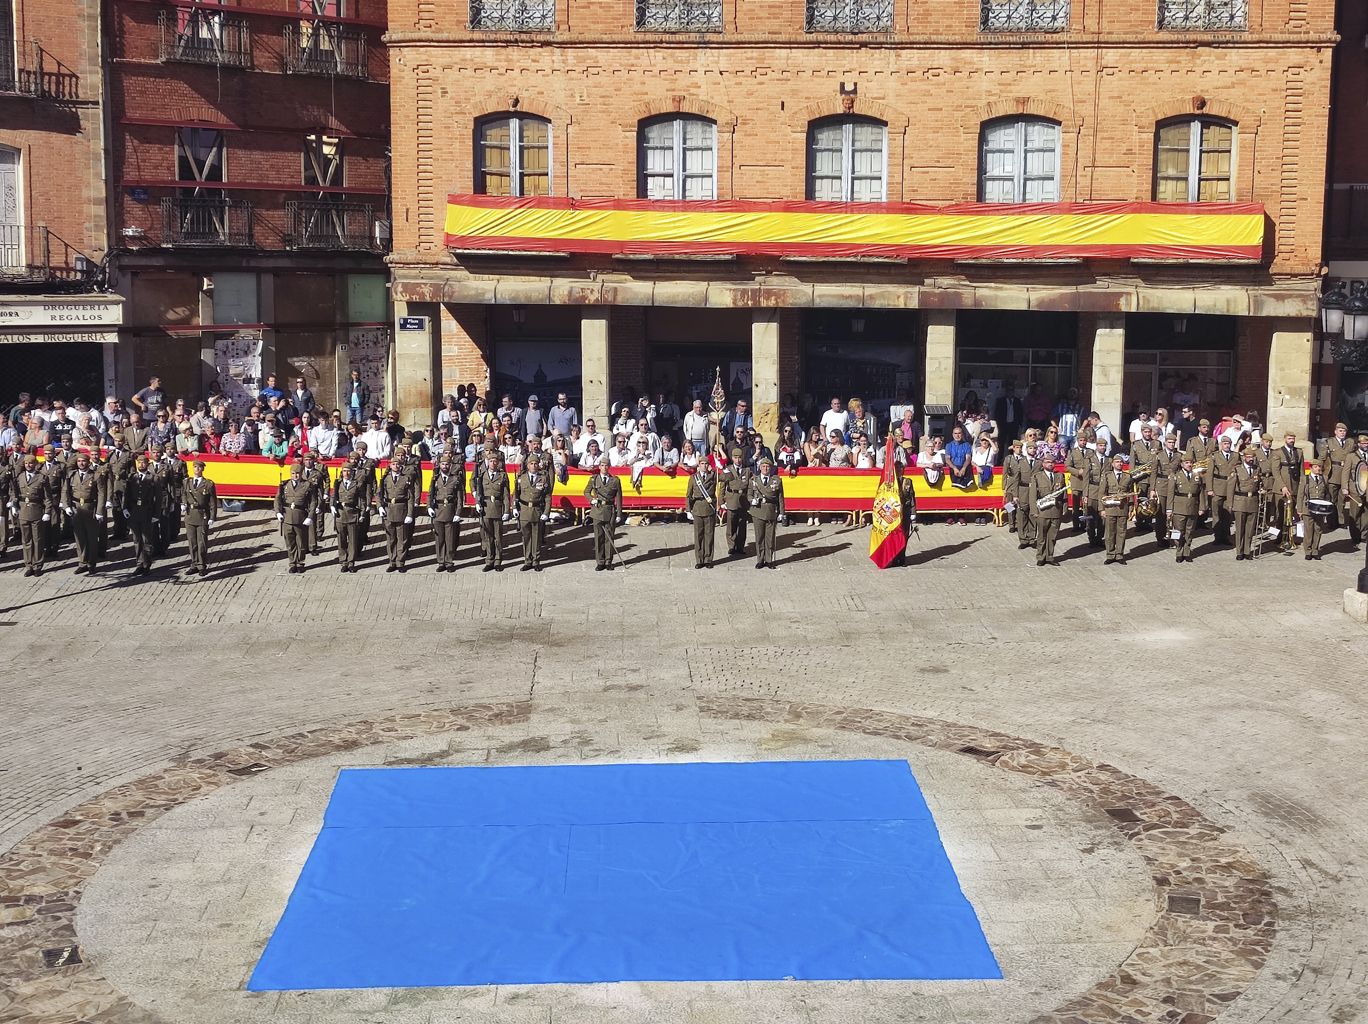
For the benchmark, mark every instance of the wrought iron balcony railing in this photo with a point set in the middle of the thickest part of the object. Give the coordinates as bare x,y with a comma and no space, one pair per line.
29,70
198,36
1204,15
1023,15
513,15
32,253
328,224
206,220
323,48
849,16
679,15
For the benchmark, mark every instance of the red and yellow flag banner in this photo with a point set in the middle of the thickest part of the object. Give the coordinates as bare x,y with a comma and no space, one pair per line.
886,537
1195,232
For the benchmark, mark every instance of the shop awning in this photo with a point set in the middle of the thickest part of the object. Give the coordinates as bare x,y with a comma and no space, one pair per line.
1188,232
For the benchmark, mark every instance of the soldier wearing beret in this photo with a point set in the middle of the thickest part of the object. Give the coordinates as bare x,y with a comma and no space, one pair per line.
294,509
532,493
83,497
446,498
604,492
201,509
765,497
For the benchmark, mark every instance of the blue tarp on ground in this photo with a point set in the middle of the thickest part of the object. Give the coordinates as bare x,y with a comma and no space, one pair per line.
647,872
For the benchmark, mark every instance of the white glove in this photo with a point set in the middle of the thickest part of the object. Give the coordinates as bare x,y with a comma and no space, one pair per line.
213,520
70,511
99,519
156,519
688,516
308,520
621,520
507,517
408,520
783,520
279,515
545,518
184,509
109,504
46,517
127,515
13,507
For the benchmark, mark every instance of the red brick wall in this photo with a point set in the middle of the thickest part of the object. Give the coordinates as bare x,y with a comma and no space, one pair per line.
465,347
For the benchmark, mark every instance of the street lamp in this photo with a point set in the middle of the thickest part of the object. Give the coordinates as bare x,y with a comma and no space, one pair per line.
1344,319
1356,313
1332,309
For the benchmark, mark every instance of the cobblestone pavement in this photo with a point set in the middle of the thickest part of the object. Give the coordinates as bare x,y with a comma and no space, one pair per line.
1145,775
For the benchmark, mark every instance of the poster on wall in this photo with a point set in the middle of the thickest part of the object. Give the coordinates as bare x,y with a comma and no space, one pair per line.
540,368
237,361
368,350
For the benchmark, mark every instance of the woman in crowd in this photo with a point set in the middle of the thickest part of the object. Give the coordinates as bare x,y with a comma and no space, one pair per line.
984,457
862,456
863,421
689,457
838,452
1050,452
788,450
814,448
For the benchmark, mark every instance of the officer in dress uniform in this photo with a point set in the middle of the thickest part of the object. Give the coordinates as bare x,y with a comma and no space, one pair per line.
1025,512
1167,461
907,492
83,497
532,492
735,487
201,509
1288,479
1244,492
1043,484
1184,504
1095,465
1223,465
1354,497
33,502
1203,449
143,502
700,501
365,479
172,472
1011,486
350,499
1116,495
317,474
1333,453
55,469
7,470
766,499
1076,463
1315,486
121,465
397,499
1143,454
491,500
446,498
293,505
604,492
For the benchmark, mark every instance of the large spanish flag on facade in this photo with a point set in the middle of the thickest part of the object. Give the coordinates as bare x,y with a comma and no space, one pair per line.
886,537
1196,232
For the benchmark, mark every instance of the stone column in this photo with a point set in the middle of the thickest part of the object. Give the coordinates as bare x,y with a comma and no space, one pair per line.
765,371
1109,371
595,359
415,364
939,358
268,315
1289,379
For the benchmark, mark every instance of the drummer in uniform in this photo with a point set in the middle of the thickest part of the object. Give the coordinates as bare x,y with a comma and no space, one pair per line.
1314,504
1352,492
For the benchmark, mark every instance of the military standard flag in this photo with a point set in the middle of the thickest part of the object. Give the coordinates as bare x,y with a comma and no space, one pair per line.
886,537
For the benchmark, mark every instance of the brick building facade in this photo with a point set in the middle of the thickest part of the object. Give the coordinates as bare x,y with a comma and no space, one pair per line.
52,196
768,102
249,192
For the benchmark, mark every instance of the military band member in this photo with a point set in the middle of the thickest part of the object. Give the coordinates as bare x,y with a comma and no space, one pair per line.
83,497
1116,495
532,492
491,500
201,508
1333,452
32,502
350,500
1266,456
1092,508
604,492
121,465
765,497
1025,515
446,498
1354,497
293,506
143,502
1012,486
1184,504
1290,465
1315,487
1043,485
1203,446
735,486
1077,465
1244,492
397,500
172,472
700,502
1166,462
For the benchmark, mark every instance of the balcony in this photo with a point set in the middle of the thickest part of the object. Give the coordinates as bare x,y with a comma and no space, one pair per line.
1204,15
206,221
513,15
679,15
1023,15
44,77
334,225
849,16
33,254
197,36
322,48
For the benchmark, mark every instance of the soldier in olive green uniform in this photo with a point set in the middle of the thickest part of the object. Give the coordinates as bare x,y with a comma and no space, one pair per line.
172,472
1244,492
1116,496
700,501
7,470
735,486
365,479
33,503
766,499
350,500
490,489
83,497
1042,486
293,506
1316,486
446,498
604,492
201,508
1076,463
532,493
908,493
317,474
1011,486
397,500
1354,497
1094,465
1167,461
120,467
1184,504
143,502
1333,452
55,469
1223,464
1203,449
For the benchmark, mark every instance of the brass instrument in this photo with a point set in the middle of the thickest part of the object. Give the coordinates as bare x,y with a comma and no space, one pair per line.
1201,466
1262,527
1046,501
1288,517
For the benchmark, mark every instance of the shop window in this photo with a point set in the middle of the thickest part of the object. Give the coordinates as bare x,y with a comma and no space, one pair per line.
513,156
678,158
1019,161
1194,161
847,160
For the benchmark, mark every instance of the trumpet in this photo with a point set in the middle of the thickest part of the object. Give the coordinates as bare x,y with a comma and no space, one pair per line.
1046,501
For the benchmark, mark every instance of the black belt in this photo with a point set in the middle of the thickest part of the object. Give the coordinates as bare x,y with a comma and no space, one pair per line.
87,504
299,506
34,501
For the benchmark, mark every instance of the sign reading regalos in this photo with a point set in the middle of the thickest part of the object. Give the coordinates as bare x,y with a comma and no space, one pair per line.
1194,232
71,312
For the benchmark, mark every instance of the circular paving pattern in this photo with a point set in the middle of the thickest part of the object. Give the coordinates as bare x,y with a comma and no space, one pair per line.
1176,919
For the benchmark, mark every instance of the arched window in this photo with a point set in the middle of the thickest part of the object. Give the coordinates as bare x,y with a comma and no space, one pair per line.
1019,161
677,158
847,160
513,156
1194,161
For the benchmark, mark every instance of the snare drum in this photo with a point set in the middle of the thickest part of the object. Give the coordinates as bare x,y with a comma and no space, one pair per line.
1319,506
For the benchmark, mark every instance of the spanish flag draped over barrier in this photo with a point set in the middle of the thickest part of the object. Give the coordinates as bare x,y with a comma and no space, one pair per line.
886,537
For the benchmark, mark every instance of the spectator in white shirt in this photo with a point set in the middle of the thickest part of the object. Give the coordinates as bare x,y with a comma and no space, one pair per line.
379,444
323,440
591,433
592,456
620,455
689,457
667,455
644,432
835,418
1138,424
696,425
450,412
